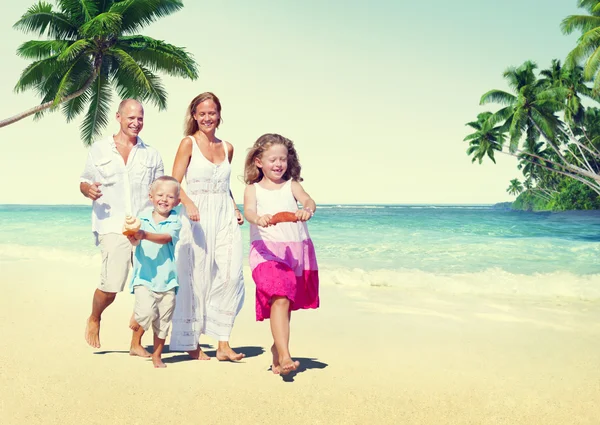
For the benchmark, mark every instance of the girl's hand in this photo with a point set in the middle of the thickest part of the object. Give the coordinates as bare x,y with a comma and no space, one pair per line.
304,214
192,212
239,217
264,220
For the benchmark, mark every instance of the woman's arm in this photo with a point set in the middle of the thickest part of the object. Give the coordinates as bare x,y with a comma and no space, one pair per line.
238,214
182,161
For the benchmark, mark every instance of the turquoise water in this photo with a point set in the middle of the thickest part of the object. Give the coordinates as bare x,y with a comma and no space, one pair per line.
454,248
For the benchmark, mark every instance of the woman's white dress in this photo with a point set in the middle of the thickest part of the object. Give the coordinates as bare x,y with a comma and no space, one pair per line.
209,257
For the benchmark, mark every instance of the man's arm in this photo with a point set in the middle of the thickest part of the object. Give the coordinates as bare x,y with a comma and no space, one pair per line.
87,186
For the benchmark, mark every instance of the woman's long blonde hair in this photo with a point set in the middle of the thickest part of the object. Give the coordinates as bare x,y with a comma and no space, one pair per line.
253,174
191,126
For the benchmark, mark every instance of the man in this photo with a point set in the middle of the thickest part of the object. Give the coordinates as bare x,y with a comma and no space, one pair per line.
117,178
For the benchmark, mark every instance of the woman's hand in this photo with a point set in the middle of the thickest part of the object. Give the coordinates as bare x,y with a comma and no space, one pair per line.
264,221
304,214
239,217
192,212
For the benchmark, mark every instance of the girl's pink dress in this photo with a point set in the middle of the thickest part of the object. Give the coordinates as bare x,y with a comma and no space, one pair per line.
282,257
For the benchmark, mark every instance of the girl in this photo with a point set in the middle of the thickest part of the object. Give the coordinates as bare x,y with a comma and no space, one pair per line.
282,256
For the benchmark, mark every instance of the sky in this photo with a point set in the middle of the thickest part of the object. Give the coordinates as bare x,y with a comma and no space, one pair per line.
375,95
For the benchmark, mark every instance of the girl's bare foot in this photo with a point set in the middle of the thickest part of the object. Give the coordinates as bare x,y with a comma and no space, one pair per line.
138,350
225,353
158,363
275,365
133,324
288,365
198,354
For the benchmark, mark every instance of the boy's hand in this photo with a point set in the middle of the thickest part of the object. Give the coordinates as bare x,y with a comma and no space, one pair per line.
264,220
133,240
139,235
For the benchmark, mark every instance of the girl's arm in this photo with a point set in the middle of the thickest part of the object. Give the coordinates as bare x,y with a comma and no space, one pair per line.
250,208
308,204
182,160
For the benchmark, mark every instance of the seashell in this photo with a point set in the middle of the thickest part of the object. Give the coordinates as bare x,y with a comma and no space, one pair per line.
131,226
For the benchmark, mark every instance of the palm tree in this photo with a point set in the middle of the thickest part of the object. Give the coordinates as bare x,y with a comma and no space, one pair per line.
515,187
486,139
588,45
91,48
531,112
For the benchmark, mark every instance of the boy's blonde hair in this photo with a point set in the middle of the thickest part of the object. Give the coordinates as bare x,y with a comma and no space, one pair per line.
253,174
165,179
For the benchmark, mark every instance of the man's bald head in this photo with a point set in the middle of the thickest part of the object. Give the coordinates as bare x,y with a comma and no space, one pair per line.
128,102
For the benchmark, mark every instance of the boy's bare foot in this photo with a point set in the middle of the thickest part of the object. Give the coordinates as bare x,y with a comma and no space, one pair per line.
198,354
133,324
275,365
158,363
227,354
288,365
139,351
92,332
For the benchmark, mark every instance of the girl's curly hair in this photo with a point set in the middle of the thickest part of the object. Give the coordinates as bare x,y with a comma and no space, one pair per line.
253,174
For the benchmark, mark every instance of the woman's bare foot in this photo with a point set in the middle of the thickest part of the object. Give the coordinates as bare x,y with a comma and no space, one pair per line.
139,351
133,324
92,332
226,353
288,365
158,363
275,365
198,354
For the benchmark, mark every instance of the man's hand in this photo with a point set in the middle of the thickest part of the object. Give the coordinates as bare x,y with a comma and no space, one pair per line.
93,191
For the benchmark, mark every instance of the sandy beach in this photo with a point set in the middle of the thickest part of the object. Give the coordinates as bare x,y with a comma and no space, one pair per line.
369,355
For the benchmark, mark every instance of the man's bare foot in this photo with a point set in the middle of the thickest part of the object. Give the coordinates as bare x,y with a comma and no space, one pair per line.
288,365
226,353
133,324
158,363
275,365
92,332
139,351
198,354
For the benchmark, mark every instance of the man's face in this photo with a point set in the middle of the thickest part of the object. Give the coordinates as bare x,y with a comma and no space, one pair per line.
131,119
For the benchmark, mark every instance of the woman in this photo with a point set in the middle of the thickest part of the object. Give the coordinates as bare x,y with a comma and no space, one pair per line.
209,252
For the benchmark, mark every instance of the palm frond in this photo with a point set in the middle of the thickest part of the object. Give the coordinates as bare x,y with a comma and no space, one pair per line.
133,80
42,20
80,11
40,49
96,117
160,56
497,96
75,49
139,13
103,25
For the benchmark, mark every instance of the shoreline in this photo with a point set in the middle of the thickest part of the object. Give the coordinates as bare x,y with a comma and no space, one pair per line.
368,355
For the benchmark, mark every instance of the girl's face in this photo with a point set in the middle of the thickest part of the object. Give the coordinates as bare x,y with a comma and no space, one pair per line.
273,162
207,116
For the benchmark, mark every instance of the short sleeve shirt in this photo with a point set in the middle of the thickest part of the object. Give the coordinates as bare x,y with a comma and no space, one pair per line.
105,165
154,264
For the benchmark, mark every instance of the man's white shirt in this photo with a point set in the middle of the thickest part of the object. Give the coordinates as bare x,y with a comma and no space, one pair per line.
105,165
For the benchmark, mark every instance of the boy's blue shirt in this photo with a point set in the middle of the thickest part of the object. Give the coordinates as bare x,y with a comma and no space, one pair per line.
154,264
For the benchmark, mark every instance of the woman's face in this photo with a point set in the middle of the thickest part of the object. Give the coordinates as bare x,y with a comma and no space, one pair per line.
207,116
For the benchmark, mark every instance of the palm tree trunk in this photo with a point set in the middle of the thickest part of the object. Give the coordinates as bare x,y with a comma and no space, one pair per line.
50,103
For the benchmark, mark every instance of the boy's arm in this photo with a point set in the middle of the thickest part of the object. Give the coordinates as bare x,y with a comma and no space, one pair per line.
159,238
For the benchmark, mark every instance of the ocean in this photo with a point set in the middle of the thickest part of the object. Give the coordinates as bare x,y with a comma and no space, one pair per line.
474,249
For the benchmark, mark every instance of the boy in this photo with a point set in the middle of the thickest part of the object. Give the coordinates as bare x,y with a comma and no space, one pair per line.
154,281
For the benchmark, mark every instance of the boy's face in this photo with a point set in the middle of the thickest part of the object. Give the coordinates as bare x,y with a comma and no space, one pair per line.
164,198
